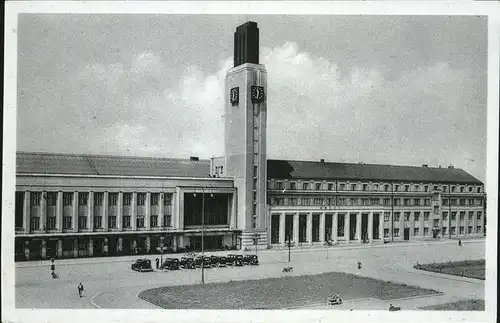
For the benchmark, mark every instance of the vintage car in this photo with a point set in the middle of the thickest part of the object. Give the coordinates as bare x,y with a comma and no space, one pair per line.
251,260
222,261
187,263
142,265
170,264
235,260
205,260
214,261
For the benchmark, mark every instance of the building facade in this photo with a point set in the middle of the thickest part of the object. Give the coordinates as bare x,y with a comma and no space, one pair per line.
316,202
89,205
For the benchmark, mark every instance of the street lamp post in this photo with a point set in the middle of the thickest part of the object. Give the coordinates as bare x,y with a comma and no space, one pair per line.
203,236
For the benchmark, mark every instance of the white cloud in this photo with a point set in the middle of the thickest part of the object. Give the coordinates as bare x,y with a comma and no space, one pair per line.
314,111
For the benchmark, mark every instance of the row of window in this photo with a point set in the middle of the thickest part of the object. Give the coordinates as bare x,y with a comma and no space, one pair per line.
343,201
416,231
463,202
51,198
281,185
479,214
112,222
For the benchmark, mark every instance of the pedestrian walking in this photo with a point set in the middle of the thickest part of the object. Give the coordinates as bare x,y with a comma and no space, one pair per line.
459,243
80,289
157,263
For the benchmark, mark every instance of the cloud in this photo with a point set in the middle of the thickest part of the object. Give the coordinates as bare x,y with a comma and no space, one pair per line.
314,111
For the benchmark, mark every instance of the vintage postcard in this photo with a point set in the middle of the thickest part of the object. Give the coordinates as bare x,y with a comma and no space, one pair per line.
293,161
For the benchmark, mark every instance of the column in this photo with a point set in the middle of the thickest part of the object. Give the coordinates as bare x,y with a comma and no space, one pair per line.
133,219
26,212
75,248
91,247
119,215
105,210
335,224
282,237
43,211
233,224
119,245
44,249
75,212
105,247
322,227
421,224
147,216
160,210
174,243
358,227
59,248
296,228
347,227
381,226
90,211
370,227
59,211
27,253
148,243
309,228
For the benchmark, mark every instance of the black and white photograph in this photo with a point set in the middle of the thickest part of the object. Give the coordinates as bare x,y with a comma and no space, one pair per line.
307,163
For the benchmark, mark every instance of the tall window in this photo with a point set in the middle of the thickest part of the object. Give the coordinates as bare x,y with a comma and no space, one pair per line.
98,197
387,202
127,198
426,216
126,221
279,186
82,222
365,187
35,198
416,202
407,216
97,222
154,221
51,223
113,198
293,185
140,220
83,198
471,215
396,232
445,216
167,199
51,198
67,199
386,216
67,222
462,202
112,222
154,198
35,223
479,215
141,199
462,215
330,186
407,202
386,188
453,216
342,187
318,186
305,186
416,215
167,219
445,202
353,187
397,216
407,188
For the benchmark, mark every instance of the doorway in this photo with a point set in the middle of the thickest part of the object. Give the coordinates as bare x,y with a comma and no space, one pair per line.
364,227
407,234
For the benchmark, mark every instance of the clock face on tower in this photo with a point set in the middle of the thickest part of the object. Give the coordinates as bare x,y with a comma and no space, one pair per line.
257,94
234,95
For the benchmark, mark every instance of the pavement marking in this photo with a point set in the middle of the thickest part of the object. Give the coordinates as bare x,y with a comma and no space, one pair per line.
92,301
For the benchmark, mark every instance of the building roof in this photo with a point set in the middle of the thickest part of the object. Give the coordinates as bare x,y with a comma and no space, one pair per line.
293,169
50,163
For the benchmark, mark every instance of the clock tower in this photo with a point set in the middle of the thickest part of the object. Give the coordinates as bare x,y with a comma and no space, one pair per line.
245,134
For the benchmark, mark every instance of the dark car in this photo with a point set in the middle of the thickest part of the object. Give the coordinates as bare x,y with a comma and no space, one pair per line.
187,263
142,265
214,261
170,264
251,260
222,261
207,262
235,260
230,259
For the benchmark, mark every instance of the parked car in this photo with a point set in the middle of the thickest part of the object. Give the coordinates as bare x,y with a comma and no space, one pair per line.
251,260
230,259
222,261
142,265
207,262
198,261
170,264
187,263
236,260
214,261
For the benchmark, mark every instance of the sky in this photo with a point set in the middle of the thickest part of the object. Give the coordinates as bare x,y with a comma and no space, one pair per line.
404,90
